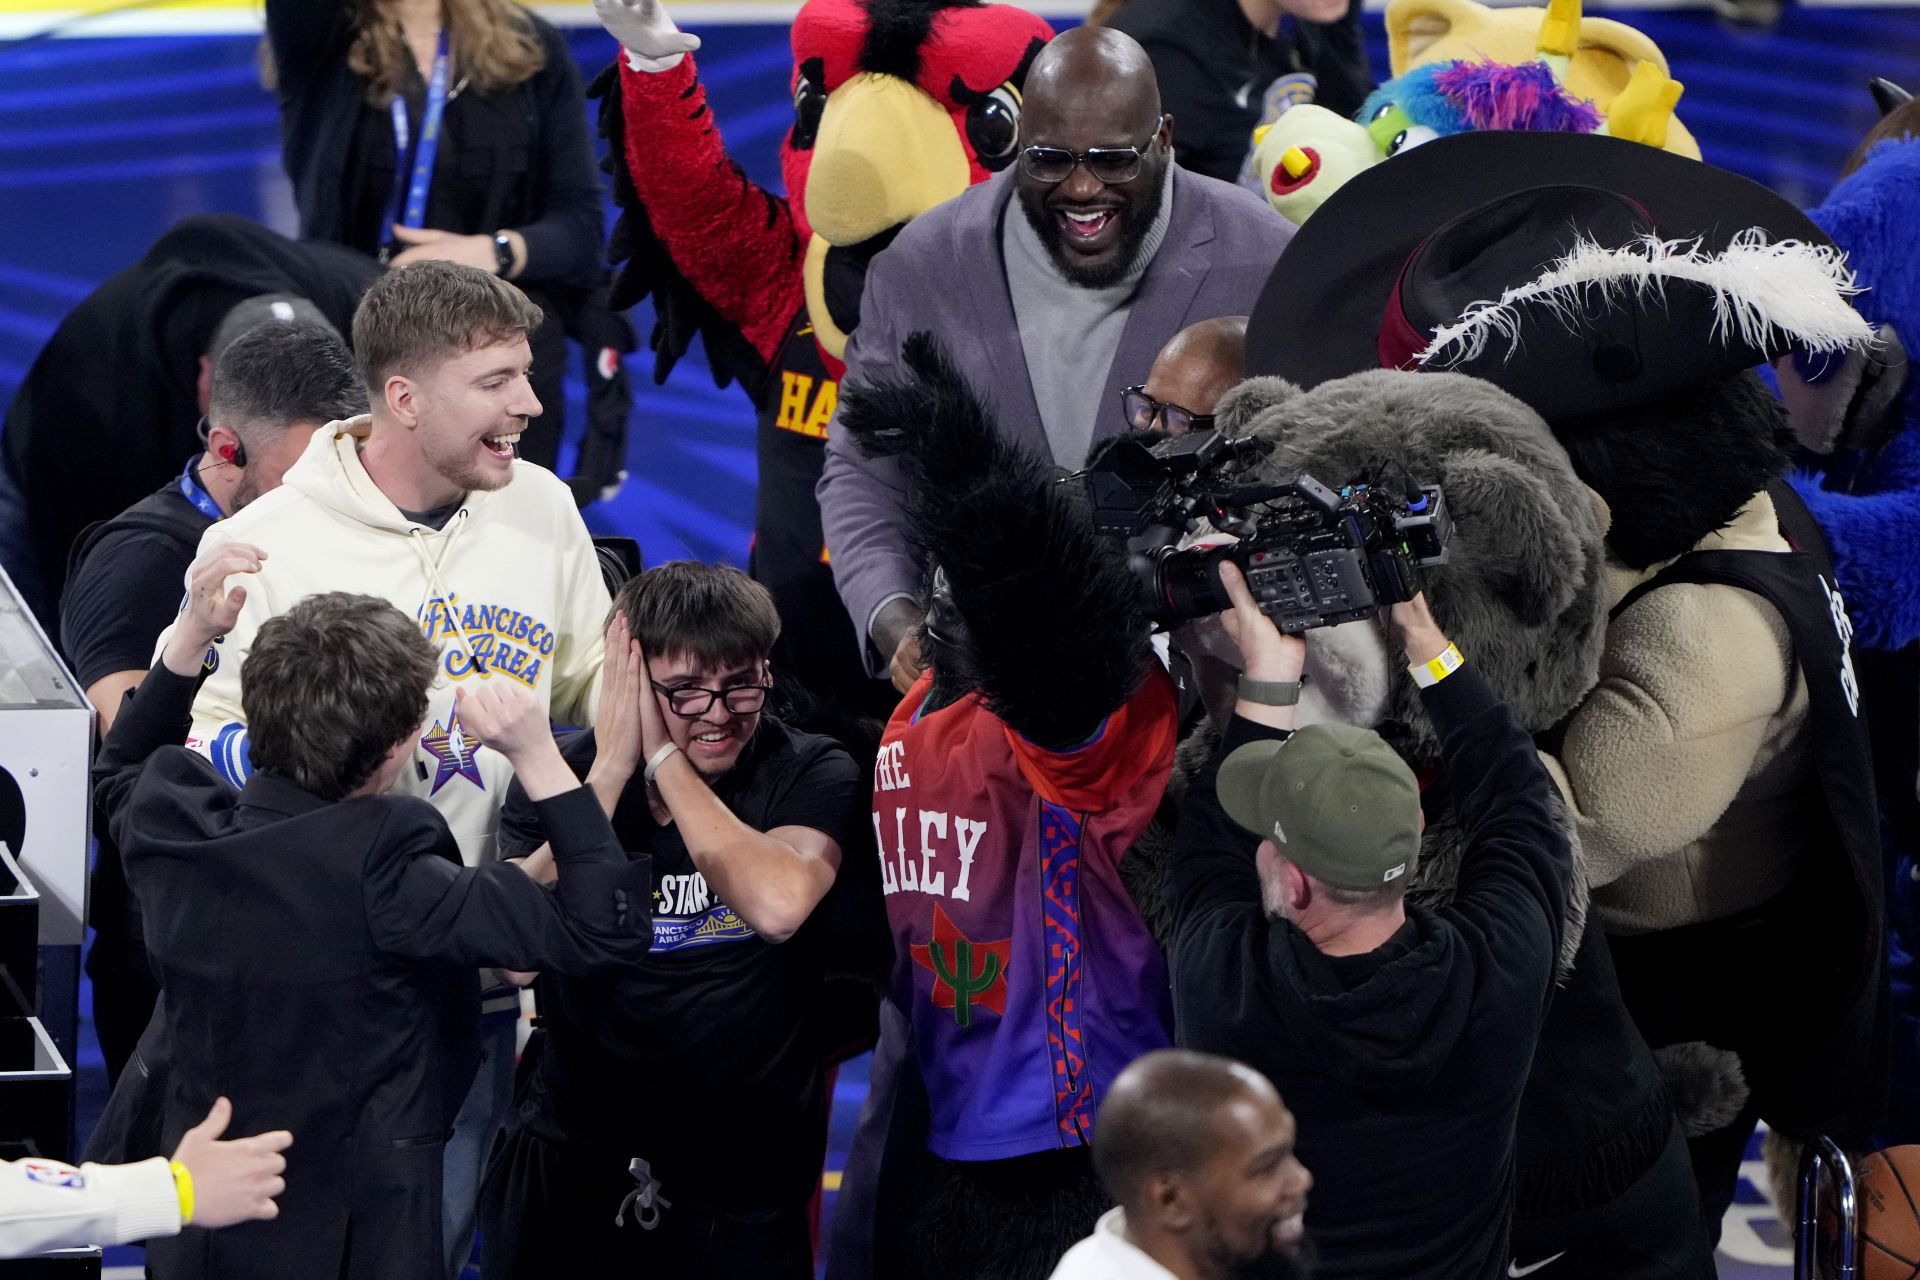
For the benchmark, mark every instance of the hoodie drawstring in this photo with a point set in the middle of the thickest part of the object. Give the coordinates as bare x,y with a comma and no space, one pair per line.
436,589
645,1198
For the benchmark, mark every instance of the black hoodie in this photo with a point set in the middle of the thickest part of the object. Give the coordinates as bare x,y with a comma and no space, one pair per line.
1403,1066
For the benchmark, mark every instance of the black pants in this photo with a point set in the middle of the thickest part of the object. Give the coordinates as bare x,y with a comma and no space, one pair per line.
548,1210
1003,1219
123,995
583,317
124,988
1651,1231
1742,984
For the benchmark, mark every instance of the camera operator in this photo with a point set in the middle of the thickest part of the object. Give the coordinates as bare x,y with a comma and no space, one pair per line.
1196,368
1400,1036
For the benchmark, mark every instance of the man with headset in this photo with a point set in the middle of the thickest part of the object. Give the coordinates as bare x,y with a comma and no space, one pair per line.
280,371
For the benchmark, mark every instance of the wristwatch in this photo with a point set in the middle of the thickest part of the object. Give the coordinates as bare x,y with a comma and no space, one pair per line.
1269,693
502,254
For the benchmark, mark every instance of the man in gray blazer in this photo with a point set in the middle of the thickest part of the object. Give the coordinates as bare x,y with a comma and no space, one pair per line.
1051,286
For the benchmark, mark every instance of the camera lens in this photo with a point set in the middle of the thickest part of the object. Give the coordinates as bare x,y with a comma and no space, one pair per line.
1188,584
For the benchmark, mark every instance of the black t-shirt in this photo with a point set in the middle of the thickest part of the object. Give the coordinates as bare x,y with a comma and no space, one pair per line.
435,517
127,580
1214,70
703,1059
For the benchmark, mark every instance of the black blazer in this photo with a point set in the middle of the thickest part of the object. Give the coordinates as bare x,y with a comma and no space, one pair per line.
547,188
319,968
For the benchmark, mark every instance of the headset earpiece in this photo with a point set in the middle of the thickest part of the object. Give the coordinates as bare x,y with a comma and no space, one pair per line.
234,454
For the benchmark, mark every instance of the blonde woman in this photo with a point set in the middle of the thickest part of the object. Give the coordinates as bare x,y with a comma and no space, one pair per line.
451,129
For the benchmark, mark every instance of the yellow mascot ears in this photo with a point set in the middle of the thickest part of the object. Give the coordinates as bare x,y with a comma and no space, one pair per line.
1599,66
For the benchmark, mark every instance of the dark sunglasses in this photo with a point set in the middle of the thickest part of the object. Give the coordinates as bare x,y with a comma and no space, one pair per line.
1111,165
1144,413
690,702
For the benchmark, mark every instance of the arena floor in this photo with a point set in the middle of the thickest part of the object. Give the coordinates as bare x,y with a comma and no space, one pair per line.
105,141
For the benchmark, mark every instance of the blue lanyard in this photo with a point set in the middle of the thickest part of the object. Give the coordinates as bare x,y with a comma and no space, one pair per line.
413,188
190,490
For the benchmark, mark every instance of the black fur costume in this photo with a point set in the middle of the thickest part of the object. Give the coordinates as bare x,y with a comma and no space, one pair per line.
1037,613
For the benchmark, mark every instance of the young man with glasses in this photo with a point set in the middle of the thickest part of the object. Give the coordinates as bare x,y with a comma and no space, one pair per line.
672,1118
1056,304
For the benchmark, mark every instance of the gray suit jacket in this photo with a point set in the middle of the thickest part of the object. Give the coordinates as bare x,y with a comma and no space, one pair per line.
946,274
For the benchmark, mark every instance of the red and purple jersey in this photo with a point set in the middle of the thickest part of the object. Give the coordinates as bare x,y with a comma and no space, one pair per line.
1029,975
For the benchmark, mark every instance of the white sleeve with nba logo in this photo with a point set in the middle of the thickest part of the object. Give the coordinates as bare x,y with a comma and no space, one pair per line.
47,1204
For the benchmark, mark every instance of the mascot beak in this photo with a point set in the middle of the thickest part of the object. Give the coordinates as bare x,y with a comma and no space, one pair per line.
886,153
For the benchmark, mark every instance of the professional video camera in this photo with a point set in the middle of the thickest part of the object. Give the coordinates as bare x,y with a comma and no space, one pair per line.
1313,556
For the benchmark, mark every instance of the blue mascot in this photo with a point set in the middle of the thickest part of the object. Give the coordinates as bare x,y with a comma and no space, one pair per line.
1859,423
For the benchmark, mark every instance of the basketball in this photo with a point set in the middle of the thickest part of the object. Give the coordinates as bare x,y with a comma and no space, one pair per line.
1888,1188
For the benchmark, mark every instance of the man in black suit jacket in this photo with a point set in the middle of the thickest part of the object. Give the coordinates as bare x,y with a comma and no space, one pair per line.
318,939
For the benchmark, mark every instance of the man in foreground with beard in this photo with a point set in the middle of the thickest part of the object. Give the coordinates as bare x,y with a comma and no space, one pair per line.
1053,284
1198,1151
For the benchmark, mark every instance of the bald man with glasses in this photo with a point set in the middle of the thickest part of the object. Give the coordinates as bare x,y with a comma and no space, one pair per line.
1051,285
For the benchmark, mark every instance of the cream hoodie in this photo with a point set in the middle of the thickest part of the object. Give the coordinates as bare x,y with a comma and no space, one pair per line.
511,585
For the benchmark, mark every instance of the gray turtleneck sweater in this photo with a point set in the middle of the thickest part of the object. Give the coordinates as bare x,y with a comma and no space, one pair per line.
1070,332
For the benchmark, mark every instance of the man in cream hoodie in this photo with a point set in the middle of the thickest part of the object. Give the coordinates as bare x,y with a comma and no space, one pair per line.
423,502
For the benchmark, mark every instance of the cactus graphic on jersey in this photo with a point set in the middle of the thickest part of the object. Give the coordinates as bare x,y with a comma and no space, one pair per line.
968,975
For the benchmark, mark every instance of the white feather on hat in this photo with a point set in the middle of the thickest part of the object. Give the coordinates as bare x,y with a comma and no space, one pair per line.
1759,289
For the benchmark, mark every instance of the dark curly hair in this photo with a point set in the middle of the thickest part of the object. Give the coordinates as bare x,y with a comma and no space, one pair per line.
330,686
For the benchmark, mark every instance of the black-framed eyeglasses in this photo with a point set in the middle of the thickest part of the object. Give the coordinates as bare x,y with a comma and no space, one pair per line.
690,702
1111,165
1144,413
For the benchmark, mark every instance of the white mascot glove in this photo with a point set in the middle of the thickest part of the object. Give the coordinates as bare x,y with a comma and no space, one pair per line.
646,32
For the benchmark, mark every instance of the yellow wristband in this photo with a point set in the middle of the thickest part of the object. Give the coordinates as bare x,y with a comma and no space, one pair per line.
1427,674
183,1187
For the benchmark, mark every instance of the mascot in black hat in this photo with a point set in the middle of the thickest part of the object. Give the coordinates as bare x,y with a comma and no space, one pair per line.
1718,774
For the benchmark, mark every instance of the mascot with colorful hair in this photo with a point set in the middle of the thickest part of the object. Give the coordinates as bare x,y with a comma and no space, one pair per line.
1460,67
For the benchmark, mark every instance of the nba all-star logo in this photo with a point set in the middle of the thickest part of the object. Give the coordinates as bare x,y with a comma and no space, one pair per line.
454,752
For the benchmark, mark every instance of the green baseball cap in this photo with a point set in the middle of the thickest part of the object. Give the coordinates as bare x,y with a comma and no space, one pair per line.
1336,800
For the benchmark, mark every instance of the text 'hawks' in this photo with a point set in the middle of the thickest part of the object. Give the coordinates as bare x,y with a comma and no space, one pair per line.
946,841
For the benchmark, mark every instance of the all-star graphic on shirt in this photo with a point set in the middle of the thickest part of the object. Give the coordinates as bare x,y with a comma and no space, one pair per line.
686,914
966,974
454,752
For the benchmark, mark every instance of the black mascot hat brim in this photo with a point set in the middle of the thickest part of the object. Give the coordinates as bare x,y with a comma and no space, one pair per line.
1584,274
